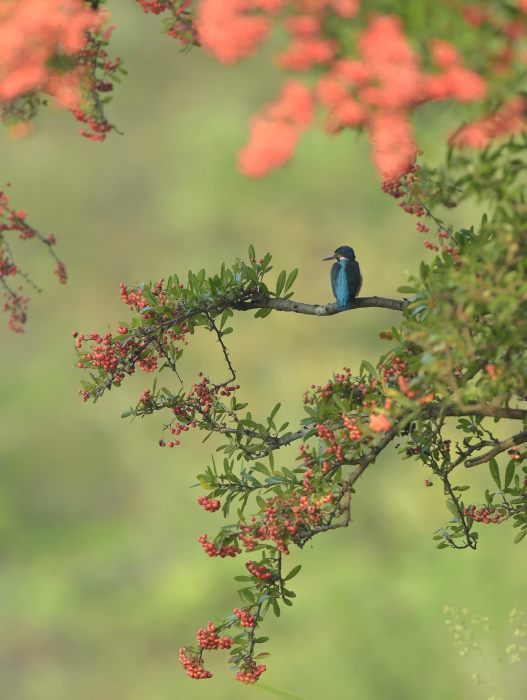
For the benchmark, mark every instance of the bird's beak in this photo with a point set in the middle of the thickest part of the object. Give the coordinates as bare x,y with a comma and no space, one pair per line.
330,257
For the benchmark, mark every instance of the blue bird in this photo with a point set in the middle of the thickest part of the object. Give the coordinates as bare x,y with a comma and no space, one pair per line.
346,279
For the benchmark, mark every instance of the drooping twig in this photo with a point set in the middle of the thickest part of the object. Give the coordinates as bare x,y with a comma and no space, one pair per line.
219,336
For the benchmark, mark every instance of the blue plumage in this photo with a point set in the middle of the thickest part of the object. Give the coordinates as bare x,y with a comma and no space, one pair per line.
346,278
341,288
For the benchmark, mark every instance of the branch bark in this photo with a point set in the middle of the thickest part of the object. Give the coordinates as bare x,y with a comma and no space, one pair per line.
507,444
486,410
298,307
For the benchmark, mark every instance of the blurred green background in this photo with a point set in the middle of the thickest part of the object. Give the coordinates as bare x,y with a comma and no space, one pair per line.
101,577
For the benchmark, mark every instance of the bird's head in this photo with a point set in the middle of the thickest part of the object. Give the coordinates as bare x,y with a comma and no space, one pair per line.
343,252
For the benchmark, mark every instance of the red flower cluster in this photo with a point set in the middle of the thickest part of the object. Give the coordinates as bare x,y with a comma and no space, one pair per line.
511,118
378,89
233,29
32,33
275,133
380,423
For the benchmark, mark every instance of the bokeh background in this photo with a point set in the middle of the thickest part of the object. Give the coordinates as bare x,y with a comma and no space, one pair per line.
101,576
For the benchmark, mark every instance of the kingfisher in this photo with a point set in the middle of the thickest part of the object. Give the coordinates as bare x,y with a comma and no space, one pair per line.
346,279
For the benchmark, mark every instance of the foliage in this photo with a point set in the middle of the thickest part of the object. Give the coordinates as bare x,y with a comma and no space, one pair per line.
453,377
455,362
355,67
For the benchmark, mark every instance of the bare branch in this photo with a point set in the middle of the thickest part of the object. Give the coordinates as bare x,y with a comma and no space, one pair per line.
488,410
298,307
507,444
219,336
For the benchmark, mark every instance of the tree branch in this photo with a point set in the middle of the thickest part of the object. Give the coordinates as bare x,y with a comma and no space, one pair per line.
507,444
479,409
298,307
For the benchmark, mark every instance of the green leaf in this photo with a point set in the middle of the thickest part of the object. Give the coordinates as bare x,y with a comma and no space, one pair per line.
281,282
366,368
151,298
290,280
452,508
405,289
275,411
259,467
276,608
262,313
519,537
495,472
252,253
294,571
262,504
509,473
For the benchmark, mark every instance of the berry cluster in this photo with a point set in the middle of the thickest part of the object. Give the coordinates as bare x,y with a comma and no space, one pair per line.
259,571
198,403
193,664
226,550
132,297
209,639
286,518
98,71
103,354
245,618
351,426
203,394
180,26
145,397
485,514
210,504
14,222
402,382
251,672
334,446
409,189
392,368
131,349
